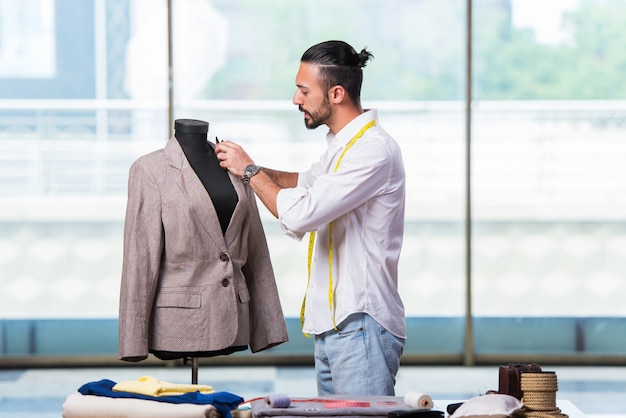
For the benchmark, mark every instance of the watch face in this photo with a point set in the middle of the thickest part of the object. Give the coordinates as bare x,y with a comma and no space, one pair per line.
249,171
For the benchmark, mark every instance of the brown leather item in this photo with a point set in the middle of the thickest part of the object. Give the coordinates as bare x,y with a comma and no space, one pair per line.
509,378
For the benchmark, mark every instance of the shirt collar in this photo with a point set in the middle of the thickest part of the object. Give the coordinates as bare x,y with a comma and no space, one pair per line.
352,128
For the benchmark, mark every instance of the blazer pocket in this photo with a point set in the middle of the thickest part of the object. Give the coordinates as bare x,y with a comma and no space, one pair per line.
244,295
179,299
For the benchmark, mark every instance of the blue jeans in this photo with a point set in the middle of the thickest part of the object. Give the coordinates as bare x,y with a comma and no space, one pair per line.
361,359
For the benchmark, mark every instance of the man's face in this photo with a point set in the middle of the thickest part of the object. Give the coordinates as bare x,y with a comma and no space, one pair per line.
311,98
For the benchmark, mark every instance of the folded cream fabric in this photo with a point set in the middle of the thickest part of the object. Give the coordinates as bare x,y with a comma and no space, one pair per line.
493,405
148,385
91,406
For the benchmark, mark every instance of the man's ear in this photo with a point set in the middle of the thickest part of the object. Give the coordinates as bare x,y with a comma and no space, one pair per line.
337,94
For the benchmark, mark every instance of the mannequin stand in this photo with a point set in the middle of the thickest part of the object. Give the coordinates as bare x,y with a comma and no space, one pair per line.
194,369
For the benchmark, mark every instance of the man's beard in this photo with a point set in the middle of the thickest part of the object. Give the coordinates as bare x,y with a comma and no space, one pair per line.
319,116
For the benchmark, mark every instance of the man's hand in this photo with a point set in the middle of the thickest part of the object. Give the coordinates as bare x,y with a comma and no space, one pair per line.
232,157
266,184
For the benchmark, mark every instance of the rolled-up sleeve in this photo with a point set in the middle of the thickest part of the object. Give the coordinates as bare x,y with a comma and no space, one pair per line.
286,201
289,204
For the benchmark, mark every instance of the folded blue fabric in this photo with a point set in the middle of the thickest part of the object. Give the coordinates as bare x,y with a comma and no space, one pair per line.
224,402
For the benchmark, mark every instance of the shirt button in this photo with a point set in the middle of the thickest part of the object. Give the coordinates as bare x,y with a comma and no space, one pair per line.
225,282
224,257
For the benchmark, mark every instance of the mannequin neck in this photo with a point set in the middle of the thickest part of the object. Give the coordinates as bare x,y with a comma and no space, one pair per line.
194,143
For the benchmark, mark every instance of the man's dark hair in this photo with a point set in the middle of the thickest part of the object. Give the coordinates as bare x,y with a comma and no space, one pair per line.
339,64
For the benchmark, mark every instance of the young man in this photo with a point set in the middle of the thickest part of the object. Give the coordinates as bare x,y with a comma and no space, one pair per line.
353,198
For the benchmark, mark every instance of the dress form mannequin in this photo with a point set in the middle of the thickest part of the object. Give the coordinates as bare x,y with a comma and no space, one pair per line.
191,134
187,290
192,137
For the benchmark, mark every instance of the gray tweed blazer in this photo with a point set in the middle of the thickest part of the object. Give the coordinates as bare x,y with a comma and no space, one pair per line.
185,286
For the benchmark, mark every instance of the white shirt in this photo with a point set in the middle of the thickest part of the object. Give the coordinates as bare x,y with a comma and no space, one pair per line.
365,201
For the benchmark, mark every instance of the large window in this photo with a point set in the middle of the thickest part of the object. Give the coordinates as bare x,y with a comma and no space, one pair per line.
85,90
548,200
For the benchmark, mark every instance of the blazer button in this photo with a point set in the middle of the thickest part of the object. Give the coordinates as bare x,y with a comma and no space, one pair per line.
225,282
224,257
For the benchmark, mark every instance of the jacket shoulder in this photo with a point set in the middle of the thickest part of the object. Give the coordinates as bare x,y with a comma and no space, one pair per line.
150,160
151,157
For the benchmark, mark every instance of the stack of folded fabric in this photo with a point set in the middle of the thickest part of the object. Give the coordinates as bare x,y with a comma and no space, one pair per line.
148,397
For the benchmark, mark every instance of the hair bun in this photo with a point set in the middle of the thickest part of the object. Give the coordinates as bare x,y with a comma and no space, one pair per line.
364,57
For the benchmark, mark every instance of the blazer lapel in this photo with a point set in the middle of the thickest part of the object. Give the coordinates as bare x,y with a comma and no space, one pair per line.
233,232
191,186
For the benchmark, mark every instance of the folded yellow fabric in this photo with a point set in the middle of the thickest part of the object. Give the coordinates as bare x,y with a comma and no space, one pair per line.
148,385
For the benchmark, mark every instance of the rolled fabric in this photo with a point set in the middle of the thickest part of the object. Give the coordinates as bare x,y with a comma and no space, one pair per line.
77,405
278,400
418,400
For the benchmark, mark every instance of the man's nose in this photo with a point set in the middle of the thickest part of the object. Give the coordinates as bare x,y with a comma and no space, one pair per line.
297,100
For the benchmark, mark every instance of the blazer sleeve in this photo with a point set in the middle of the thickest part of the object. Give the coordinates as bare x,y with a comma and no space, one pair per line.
143,246
267,321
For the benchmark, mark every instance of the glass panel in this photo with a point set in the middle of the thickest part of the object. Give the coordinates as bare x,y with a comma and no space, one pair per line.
548,152
73,116
244,88
95,99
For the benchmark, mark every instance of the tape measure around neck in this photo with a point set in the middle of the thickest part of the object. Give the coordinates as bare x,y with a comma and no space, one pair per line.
330,240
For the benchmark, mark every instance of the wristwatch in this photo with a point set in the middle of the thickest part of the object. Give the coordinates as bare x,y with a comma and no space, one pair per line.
250,171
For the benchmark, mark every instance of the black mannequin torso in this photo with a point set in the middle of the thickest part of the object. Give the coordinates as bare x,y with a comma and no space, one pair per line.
192,137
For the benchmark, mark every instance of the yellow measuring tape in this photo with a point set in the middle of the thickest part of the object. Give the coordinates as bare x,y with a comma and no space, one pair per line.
330,241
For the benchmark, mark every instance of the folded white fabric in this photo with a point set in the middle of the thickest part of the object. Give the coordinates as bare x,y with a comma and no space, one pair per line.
91,406
493,405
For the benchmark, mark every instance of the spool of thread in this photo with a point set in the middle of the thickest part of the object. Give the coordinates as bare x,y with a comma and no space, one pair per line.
418,400
278,400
